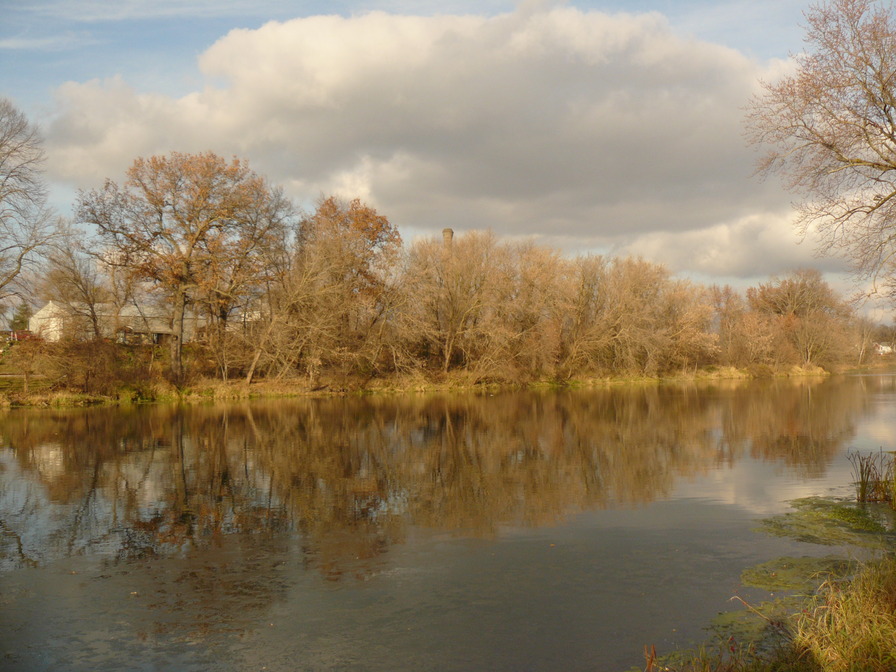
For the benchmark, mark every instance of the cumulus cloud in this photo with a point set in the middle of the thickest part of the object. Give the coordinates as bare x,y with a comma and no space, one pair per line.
758,244
582,128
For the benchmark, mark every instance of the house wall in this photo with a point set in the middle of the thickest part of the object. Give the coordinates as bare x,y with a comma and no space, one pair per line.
48,322
55,321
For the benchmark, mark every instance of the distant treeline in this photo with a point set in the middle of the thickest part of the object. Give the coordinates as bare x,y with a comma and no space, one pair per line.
334,298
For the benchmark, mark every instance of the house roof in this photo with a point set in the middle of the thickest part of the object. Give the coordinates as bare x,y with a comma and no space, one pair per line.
134,317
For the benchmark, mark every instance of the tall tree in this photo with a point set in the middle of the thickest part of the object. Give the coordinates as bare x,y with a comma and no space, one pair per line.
808,314
20,317
73,278
830,129
358,247
24,221
524,323
453,285
330,306
362,243
586,334
176,220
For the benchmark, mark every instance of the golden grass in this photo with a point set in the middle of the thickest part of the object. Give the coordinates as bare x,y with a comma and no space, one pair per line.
852,627
849,626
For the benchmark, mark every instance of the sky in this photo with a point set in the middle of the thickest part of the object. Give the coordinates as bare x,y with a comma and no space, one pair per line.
591,126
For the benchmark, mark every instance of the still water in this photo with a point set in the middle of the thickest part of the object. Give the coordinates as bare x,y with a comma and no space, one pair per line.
519,531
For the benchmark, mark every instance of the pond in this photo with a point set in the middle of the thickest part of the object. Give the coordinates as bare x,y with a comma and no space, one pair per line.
515,531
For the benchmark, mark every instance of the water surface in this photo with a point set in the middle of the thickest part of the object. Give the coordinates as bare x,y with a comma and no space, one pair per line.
520,531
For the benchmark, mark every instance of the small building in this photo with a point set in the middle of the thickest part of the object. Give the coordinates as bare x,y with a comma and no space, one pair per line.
132,323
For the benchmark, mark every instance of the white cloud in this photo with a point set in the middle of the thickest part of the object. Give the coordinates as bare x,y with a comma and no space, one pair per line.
579,127
757,244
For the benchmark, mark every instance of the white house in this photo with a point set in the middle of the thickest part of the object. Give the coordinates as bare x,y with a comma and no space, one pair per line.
132,323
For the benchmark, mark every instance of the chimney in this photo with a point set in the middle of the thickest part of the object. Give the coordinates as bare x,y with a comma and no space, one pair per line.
447,236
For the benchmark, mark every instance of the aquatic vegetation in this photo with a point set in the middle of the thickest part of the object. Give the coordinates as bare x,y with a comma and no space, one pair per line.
801,575
848,626
827,522
875,477
729,656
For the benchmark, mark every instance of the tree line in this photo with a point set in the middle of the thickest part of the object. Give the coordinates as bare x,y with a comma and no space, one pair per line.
335,298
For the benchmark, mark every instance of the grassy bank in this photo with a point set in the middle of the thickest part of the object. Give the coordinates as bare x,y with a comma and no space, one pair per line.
848,622
39,394
848,626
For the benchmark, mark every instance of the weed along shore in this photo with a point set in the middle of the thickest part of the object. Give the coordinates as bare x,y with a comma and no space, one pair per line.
839,612
38,391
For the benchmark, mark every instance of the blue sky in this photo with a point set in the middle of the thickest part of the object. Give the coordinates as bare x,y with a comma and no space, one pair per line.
590,125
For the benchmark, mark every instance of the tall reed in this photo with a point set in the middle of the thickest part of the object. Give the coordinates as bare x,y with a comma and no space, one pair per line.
875,477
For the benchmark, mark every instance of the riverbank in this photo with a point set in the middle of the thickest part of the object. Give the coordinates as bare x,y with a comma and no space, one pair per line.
12,394
848,626
841,615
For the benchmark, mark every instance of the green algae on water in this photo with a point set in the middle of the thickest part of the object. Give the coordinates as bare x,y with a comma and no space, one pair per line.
828,522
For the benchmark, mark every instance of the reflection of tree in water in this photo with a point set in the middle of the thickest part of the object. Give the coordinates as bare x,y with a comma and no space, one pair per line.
208,486
158,482
144,481
800,422
350,475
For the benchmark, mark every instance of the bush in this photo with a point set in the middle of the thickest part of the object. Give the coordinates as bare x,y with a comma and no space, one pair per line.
95,367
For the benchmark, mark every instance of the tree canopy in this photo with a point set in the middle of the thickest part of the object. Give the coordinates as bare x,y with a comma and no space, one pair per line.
190,224
24,220
829,128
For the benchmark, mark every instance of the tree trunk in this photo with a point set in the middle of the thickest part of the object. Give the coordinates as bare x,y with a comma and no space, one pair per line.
177,336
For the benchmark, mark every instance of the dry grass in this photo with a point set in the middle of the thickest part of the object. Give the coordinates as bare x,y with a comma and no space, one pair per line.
852,626
848,626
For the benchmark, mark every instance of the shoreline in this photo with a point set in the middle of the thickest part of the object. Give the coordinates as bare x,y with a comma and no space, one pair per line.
238,390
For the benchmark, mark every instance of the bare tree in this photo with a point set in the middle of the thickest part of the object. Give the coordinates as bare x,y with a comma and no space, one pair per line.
809,314
586,333
830,129
74,278
24,222
653,323
238,268
179,221
329,308
453,287
523,322
728,310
